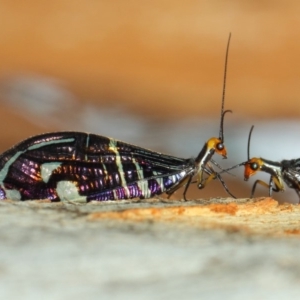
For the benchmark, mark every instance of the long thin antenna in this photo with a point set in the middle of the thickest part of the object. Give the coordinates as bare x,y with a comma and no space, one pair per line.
248,154
222,124
221,135
249,138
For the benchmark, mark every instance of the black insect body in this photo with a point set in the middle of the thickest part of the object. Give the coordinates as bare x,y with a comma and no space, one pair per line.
76,166
286,171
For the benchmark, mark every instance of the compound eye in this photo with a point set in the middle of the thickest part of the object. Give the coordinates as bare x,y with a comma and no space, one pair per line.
254,166
220,146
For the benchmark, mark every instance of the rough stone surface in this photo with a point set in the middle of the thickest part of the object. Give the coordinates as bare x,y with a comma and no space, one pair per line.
218,249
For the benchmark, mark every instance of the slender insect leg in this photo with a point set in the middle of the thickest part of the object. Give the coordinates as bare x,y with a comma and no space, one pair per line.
263,184
179,185
224,185
273,182
208,169
270,186
223,170
186,187
202,184
213,175
275,189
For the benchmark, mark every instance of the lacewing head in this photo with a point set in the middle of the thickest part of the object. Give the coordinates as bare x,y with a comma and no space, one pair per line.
252,166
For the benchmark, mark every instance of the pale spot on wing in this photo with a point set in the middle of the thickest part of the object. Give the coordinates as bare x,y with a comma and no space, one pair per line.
67,191
13,194
47,169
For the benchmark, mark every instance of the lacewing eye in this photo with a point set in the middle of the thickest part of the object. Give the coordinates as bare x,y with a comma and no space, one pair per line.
220,146
254,166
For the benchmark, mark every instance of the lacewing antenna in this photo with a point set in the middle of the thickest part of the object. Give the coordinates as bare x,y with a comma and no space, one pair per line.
249,138
221,126
248,154
221,134
245,162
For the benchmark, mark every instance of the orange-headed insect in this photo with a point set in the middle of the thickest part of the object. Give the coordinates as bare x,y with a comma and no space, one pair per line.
286,171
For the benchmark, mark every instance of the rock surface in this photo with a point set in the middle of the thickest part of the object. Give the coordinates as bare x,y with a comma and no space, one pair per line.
215,249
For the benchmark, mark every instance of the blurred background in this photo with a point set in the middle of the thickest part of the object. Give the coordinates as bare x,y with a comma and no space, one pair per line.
151,72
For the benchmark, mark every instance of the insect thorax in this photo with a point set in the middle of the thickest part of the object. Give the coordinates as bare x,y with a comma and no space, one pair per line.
275,170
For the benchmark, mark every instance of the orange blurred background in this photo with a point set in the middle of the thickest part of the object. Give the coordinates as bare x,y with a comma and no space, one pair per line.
143,71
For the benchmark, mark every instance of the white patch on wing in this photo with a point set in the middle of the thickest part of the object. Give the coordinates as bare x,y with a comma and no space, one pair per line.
113,147
47,169
42,144
4,170
139,170
67,191
87,145
13,194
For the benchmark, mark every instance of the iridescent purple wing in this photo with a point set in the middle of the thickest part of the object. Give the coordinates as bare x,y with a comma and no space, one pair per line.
83,167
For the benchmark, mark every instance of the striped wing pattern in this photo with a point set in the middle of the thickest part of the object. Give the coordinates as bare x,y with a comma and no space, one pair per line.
84,167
